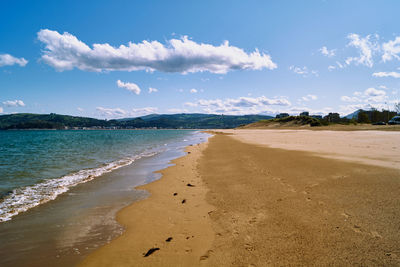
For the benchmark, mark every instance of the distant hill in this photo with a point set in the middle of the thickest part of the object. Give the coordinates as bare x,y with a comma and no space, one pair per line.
171,121
46,121
353,115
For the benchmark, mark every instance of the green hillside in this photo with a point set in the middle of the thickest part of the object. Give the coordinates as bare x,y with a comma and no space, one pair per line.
174,121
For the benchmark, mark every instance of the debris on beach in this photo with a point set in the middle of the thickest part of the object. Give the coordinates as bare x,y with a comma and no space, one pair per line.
151,251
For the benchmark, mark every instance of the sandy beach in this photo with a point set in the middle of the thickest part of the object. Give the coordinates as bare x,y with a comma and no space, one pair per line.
260,198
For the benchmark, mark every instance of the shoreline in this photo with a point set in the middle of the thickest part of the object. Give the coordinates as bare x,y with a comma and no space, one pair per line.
84,219
173,221
253,205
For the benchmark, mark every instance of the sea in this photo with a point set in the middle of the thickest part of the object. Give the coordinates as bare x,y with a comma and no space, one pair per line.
60,190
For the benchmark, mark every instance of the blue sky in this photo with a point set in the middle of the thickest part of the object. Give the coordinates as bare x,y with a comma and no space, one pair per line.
224,57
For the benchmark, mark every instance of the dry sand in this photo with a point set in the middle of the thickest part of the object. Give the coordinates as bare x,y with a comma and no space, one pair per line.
379,148
254,205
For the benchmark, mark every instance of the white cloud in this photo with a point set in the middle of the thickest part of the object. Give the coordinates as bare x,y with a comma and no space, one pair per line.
121,113
129,86
193,91
14,103
143,111
340,65
326,52
374,92
1,110
241,105
190,104
152,90
370,95
177,110
381,74
111,112
350,99
303,71
309,98
79,109
391,50
366,47
9,60
331,67
65,52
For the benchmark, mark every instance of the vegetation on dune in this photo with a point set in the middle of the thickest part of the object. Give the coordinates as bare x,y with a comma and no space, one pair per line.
360,116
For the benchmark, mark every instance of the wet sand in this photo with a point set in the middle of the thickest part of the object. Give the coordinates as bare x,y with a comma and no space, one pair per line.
173,221
254,205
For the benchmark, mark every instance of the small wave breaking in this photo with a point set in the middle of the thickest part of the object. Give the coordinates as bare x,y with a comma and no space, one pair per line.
25,198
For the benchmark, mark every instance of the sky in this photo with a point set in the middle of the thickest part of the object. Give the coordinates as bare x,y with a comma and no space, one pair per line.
115,59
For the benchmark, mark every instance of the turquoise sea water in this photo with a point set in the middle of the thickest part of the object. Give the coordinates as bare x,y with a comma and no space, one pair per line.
38,166
61,190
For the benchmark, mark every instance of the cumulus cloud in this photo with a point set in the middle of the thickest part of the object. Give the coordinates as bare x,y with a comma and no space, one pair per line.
14,103
370,95
129,86
391,50
9,60
241,105
152,90
115,113
374,92
193,91
366,47
303,71
65,52
309,98
326,52
79,109
392,74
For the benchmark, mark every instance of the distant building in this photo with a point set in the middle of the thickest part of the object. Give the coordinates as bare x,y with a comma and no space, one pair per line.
319,117
282,115
305,113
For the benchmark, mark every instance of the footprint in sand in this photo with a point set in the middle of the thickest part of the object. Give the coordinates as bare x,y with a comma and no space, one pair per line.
357,228
249,247
206,256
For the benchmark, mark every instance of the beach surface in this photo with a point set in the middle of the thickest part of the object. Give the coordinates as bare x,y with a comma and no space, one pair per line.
262,197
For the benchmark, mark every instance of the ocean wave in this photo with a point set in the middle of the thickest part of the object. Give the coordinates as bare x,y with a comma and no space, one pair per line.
25,198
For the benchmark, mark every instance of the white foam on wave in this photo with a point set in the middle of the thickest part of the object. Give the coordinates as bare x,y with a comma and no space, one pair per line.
25,198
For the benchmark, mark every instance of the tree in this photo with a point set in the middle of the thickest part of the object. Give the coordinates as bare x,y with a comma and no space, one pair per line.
397,107
362,117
